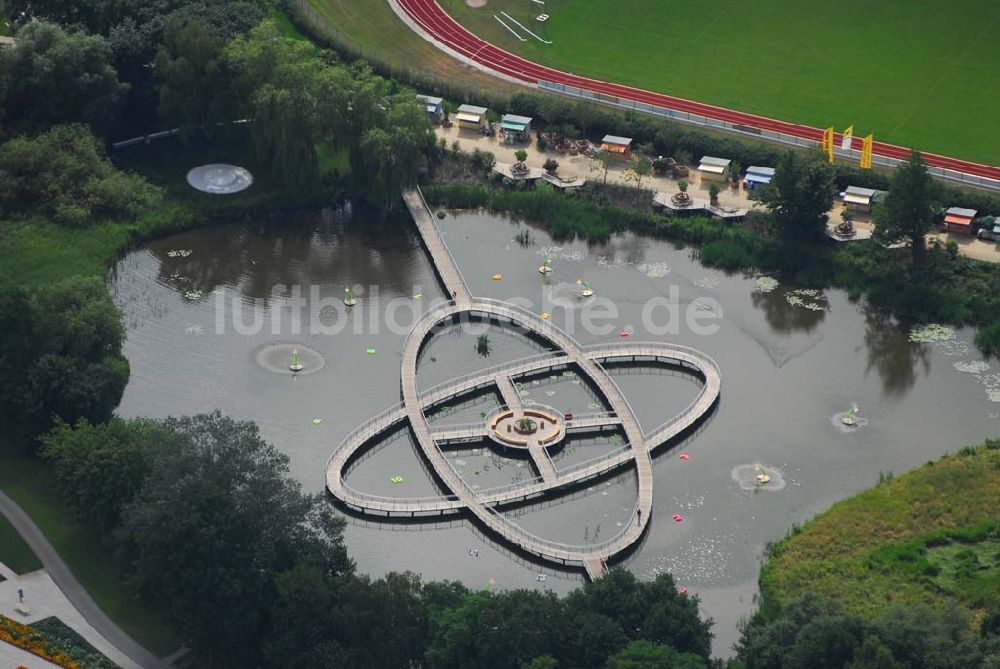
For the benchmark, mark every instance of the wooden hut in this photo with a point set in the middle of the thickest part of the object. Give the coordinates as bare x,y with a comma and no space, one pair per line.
619,145
434,107
515,128
471,117
713,169
861,199
959,220
757,176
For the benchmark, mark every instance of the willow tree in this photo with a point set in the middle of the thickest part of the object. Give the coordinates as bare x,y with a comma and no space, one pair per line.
387,136
287,91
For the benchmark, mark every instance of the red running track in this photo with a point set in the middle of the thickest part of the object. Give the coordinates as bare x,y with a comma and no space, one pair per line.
436,22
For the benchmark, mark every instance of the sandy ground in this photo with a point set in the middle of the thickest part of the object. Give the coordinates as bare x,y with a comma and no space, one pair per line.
580,166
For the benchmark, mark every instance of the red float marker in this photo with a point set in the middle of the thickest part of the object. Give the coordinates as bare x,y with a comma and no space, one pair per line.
685,456
678,518
684,591
624,333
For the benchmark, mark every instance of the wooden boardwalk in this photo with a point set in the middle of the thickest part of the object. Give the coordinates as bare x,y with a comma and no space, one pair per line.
511,395
445,266
482,503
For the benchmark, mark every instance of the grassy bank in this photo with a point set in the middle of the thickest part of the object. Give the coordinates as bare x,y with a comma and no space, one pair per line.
372,31
14,552
30,483
929,536
35,251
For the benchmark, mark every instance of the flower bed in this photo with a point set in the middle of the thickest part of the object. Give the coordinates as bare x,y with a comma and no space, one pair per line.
67,640
33,642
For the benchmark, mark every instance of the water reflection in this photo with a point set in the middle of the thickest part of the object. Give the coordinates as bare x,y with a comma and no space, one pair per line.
291,248
784,317
892,355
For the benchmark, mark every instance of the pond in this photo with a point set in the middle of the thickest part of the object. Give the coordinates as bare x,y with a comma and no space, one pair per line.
212,313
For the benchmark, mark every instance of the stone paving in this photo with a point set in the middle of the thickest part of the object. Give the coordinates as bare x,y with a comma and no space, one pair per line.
43,598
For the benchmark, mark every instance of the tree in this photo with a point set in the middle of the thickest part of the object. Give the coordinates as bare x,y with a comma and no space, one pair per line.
647,655
605,160
814,632
391,155
216,520
520,155
63,174
193,79
495,631
17,347
56,76
64,358
908,210
638,169
799,197
287,90
309,624
654,611
873,654
100,468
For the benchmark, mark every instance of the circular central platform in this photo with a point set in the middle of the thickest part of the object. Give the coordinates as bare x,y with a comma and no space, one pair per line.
544,427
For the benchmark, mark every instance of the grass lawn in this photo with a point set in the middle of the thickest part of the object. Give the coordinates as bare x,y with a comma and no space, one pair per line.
373,29
918,73
31,484
14,552
917,539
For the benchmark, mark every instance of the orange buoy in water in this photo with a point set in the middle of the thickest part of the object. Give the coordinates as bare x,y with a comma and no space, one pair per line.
545,315
678,518
497,277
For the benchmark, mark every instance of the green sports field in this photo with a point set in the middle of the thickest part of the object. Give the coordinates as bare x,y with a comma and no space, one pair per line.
921,73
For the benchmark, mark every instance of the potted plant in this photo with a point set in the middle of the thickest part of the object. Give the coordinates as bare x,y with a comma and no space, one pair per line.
734,173
525,426
713,193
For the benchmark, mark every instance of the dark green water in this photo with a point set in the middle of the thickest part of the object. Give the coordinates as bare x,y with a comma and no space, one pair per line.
786,371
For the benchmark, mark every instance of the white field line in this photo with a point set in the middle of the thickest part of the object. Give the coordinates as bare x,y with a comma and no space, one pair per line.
509,28
516,22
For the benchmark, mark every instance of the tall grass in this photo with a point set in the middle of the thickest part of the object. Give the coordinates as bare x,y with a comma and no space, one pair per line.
569,217
876,549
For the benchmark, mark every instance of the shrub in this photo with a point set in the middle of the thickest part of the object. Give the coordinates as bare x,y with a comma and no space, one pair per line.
551,165
988,339
951,248
64,174
521,155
